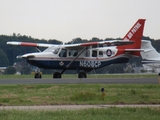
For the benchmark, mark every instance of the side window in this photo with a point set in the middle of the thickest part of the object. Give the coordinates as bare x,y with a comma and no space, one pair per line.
100,53
63,53
87,53
94,53
73,53
101,45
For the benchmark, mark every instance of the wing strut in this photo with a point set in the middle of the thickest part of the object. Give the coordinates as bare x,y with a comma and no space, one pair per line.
38,49
74,59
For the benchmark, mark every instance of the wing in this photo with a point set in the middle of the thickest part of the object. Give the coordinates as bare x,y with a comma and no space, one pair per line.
31,44
108,43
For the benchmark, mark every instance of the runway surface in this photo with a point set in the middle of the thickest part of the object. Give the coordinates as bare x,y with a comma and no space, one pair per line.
82,81
71,107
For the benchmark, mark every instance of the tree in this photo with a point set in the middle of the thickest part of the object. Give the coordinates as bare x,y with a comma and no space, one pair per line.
26,70
115,68
10,70
3,59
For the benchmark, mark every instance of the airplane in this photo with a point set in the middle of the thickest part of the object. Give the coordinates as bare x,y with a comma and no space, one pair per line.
85,57
150,57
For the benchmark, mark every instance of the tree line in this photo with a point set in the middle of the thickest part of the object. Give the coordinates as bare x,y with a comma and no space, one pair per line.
9,53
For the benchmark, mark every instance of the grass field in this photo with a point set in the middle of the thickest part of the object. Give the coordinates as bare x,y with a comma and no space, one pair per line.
87,114
51,94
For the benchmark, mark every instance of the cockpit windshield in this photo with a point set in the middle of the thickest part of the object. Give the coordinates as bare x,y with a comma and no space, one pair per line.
53,49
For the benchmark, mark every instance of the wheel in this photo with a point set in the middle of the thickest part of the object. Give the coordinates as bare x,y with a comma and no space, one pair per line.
82,75
38,75
56,75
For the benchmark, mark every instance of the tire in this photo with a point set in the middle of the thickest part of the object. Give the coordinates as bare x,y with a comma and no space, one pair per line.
56,75
38,75
82,75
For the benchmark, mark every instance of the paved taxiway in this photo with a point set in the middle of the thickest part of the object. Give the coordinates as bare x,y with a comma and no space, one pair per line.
82,81
71,107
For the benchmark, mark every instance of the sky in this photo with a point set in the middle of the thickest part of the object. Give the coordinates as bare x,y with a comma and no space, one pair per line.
65,20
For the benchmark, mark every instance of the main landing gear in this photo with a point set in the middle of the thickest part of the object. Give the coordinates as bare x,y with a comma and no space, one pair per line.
59,75
38,75
80,75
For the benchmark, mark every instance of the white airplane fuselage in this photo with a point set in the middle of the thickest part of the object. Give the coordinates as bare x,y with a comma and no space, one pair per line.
103,57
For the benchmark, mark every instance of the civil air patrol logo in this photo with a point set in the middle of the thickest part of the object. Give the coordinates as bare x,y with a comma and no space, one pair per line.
109,52
61,63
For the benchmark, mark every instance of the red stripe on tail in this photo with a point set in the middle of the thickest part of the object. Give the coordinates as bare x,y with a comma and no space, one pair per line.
135,34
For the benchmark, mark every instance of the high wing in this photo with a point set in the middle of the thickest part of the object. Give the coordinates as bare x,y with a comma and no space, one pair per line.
108,43
30,44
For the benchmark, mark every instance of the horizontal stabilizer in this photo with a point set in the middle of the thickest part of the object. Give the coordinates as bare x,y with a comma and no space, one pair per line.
133,50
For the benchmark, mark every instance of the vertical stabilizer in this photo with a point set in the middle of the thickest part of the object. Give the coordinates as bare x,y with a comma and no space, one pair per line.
135,34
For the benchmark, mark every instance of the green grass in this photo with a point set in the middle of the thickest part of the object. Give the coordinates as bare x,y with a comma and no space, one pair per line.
86,114
79,94
88,75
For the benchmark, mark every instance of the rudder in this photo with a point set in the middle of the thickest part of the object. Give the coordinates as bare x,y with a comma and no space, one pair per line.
136,33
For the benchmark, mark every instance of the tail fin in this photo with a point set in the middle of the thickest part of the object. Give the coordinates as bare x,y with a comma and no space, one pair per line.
135,34
149,52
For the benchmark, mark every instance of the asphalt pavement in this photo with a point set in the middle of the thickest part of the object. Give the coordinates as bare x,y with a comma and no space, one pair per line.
81,81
